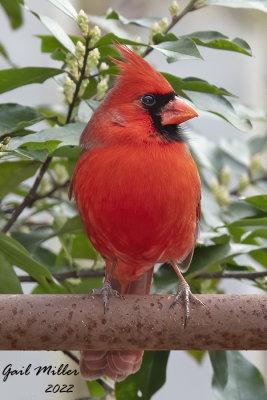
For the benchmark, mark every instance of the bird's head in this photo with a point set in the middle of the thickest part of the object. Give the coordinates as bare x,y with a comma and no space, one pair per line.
141,107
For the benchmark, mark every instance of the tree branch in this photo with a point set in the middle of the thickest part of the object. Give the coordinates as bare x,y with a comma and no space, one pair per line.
191,6
78,322
31,196
233,274
28,198
89,273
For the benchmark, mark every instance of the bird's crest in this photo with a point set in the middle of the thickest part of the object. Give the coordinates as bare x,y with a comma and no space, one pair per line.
134,70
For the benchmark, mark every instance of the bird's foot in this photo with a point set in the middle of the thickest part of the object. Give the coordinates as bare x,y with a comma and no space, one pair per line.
106,291
185,296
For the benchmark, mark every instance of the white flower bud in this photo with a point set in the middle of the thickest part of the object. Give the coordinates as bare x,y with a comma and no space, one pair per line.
136,48
72,64
220,192
4,144
225,175
214,186
102,87
82,21
243,182
83,87
153,31
92,60
95,35
80,52
164,23
68,88
255,164
174,8
103,66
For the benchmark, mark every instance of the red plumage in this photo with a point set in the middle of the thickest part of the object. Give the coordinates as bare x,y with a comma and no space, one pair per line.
137,189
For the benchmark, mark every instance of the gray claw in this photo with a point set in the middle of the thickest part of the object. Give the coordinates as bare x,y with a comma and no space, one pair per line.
106,291
184,295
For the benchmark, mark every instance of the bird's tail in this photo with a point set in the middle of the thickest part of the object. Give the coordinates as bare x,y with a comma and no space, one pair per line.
116,364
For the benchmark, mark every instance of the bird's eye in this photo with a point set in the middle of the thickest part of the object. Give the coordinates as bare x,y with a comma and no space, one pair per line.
148,100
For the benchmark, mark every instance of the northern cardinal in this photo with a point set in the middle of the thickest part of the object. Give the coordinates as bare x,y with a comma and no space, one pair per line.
138,191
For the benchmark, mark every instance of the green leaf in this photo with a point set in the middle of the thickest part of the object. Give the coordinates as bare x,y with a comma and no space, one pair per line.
12,173
4,53
147,381
250,222
182,49
110,37
73,225
49,43
164,280
219,364
95,389
217,40
16,254
58,32
9,282
143,22
197,355
15,77
82,286
258,201
206,256
66,7
50,288
237,150
220,106
15,117
244,381
67,135
82,248
194,84
13,11
256,4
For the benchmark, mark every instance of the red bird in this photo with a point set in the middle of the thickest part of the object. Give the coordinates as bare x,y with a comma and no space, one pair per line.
138,191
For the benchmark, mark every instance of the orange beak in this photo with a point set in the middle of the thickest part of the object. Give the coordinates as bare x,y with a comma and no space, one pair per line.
176,112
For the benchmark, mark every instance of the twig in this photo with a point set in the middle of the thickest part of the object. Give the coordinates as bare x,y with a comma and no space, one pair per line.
78,84
31,196
191,6
28,198
71,356
52,191
91,273
234,274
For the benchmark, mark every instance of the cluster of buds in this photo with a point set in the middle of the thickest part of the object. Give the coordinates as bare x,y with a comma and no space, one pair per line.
136,48
82,21
220,189
68,89
92,60
93,34
243,182
158,27
174,8
220,192
255,164
83,60
4,143
102,85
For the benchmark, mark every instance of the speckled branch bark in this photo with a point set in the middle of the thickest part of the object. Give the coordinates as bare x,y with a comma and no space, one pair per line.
76,322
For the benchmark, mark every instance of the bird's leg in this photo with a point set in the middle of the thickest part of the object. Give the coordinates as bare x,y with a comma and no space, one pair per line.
184,294
107,290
